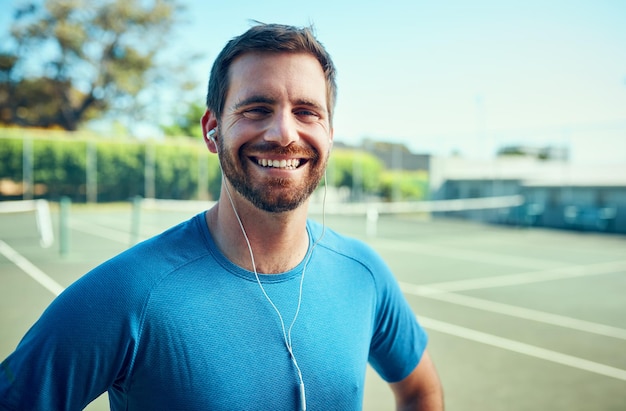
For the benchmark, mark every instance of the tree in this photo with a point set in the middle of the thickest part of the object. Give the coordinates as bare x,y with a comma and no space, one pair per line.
74,60
186,124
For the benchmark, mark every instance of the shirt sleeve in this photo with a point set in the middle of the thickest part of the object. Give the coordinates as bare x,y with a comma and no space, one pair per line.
78,348
86,341
398,341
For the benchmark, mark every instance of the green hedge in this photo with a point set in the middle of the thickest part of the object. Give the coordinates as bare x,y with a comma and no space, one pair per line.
345,166
404,185
60,168
11,159
375,180
120,170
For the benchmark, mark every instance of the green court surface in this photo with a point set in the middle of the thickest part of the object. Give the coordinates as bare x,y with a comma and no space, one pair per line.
518,319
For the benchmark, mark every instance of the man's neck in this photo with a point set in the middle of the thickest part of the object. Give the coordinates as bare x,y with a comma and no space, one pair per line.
279,241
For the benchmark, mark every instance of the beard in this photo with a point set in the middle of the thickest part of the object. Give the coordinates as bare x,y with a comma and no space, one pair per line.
275,195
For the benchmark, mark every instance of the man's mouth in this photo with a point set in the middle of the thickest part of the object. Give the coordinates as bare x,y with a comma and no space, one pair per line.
289,164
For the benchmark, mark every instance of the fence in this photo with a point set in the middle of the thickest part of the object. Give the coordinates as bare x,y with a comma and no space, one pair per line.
88,169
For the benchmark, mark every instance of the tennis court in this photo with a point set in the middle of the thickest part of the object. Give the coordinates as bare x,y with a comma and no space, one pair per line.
519,319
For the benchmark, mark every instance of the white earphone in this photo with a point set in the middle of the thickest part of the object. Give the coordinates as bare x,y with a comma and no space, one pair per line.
211,134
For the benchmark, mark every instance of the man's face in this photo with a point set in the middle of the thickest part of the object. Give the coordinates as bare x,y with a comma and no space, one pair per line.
275,136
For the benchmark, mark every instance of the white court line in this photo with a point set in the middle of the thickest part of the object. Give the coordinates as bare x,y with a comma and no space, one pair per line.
525,278
522,348
30,269
519,312
465,255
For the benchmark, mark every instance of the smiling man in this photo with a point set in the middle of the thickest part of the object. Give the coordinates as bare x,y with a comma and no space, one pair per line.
249,305
278,171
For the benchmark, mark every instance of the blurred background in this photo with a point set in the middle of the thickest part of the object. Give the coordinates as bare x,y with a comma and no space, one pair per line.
100,101
480,148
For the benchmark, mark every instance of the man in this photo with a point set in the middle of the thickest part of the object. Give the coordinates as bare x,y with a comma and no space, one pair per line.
248,305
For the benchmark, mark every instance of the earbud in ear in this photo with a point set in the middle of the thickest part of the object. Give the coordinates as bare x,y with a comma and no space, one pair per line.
211,134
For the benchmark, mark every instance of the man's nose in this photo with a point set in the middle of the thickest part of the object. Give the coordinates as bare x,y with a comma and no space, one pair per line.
283,129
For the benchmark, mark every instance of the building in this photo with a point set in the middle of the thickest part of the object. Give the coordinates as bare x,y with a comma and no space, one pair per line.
556,194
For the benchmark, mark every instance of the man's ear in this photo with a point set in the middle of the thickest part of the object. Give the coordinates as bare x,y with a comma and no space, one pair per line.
208,123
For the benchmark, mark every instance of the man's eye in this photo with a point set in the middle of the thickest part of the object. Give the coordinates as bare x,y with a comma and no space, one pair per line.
307,114
256,113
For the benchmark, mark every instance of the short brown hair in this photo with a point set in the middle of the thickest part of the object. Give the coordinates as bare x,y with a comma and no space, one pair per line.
269,38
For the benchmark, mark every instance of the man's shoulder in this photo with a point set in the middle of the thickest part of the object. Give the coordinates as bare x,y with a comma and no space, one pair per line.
184,240
160,254
344,245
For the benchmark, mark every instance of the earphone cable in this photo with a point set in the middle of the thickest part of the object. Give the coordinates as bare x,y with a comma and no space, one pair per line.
306,262
286,334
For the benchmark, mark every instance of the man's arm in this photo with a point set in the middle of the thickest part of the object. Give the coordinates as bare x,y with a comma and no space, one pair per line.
421,390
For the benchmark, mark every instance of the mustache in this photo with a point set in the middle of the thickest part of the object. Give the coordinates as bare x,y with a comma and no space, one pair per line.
294,150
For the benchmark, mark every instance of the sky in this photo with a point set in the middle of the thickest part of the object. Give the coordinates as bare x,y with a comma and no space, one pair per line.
454,76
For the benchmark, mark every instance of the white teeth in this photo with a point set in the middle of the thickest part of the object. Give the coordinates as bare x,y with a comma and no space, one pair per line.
286,164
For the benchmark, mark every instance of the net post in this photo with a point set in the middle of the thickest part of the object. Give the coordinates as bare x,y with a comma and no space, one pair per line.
44,223
135,217
371,218
64,230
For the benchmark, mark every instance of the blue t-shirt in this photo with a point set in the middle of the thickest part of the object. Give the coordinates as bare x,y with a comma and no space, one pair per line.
171,324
